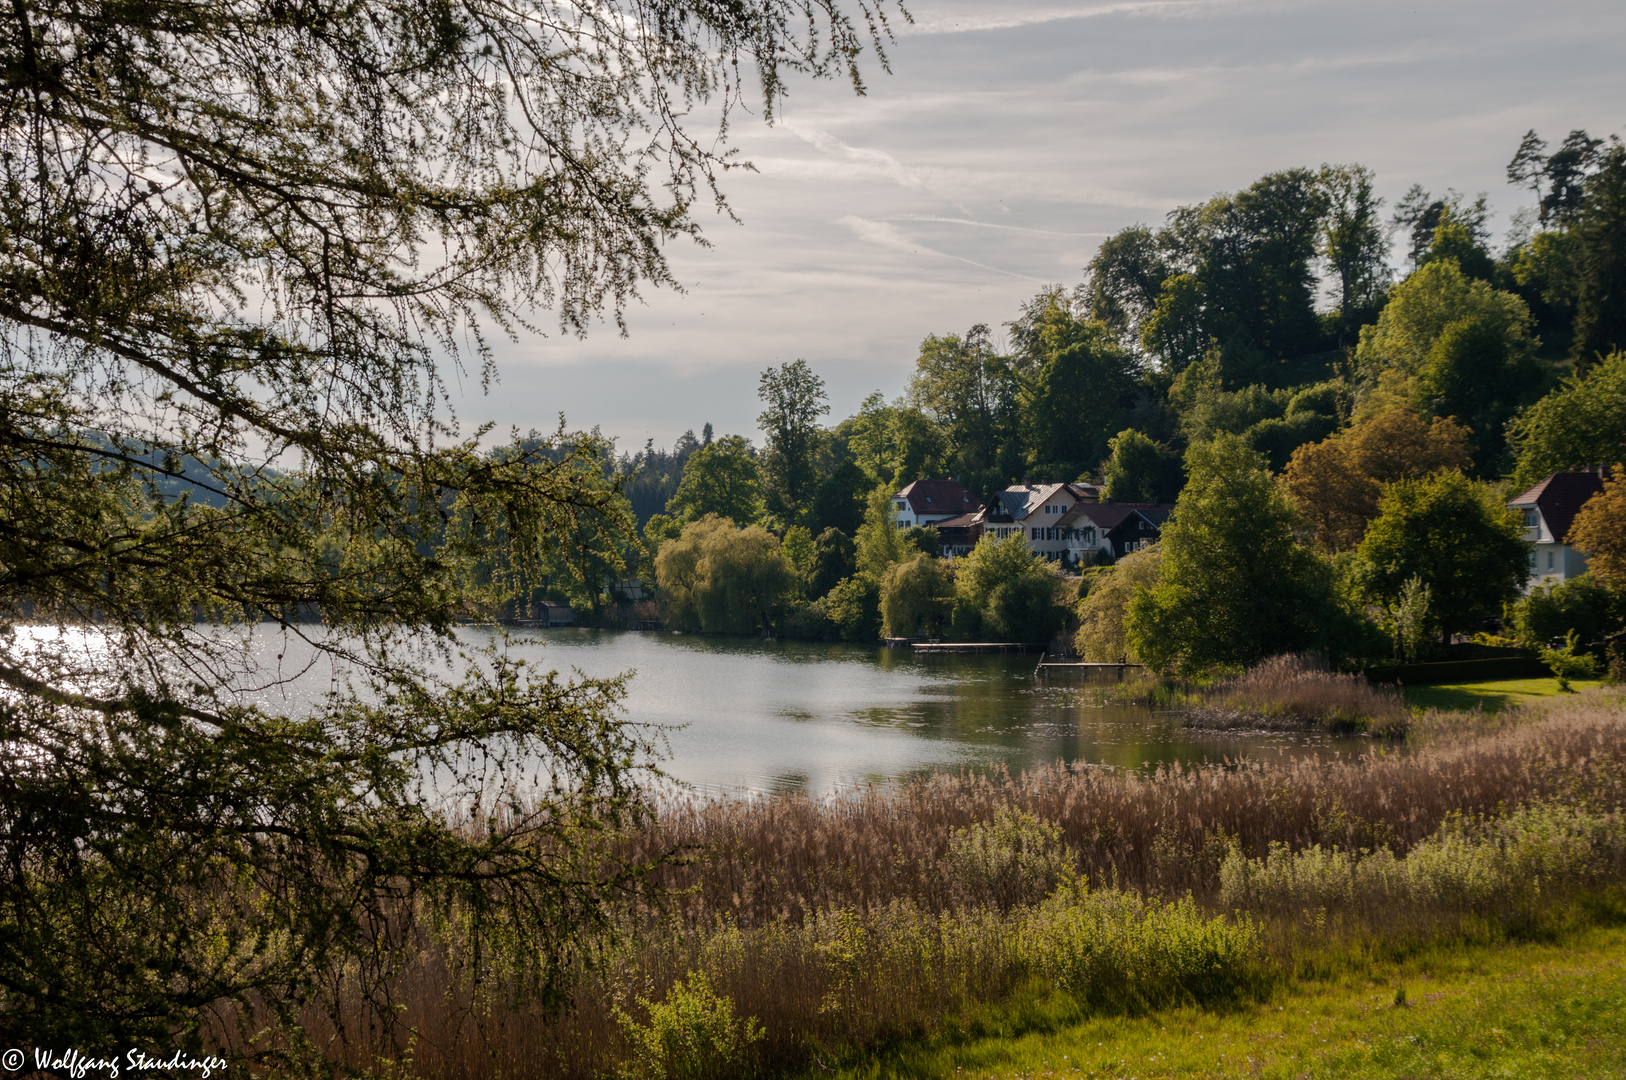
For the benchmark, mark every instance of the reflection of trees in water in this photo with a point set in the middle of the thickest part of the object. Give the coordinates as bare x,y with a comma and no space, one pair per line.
814,711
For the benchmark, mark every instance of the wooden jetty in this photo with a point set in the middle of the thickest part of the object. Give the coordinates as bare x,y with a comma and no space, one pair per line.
1046,666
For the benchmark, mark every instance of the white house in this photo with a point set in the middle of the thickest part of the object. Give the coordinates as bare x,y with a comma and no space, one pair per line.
927,502
1549,510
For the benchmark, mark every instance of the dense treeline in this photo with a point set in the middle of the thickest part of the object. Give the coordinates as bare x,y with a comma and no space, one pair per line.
1340,435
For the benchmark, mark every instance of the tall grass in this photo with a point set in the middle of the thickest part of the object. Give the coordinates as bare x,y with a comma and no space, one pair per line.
1293,691
804,930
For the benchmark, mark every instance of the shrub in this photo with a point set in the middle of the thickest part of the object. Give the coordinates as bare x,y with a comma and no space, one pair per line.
1582,605
1013,859
692,1034
1118,949
854,608
1567,665
1471,864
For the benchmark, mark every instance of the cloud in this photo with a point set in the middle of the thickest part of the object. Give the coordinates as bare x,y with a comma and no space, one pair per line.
888,235
992,225
955,185
1013,16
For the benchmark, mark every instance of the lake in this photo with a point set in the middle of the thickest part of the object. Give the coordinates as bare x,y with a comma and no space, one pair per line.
744,715
766,716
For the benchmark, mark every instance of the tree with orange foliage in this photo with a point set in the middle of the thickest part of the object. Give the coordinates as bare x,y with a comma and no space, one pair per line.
1336,483
1600,531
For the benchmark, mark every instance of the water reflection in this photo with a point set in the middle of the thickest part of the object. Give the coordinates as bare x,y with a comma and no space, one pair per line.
745,715
774,716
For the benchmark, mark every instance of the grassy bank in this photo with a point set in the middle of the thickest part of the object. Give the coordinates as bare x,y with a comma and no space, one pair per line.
1511,1010
798,933
1490,696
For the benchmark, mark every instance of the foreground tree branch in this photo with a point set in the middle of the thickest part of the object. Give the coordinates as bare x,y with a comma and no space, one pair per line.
241,246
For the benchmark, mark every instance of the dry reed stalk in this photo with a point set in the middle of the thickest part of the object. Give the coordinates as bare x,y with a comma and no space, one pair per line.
841,922
1294,690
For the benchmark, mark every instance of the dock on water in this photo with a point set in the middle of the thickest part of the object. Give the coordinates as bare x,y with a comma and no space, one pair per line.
1046,666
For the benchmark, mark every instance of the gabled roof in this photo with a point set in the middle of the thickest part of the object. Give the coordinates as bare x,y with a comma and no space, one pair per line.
938,497
959,521
1108,516
1020,500
1559,498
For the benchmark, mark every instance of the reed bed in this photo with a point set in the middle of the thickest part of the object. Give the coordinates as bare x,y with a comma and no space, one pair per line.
802,931
1293,691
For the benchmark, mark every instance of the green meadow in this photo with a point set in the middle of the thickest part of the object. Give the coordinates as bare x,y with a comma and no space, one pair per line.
1537,1009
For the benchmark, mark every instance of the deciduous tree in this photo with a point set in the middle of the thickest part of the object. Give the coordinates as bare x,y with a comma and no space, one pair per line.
1100,638
794,398
252,236
722,579
969,391
1353,242
1334,496
1397,445
917,597
1140,470
1599,530
1077,388
719,478
1581,422
1454,535
1234,584
1016,594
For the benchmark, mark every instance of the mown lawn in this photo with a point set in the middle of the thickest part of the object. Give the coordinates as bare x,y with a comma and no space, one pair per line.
1512,1011
1488,696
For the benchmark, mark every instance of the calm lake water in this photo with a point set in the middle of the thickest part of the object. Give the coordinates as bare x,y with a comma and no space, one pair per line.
776,716
759,716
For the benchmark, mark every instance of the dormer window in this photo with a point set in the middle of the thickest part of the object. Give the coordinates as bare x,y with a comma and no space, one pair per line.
1532,519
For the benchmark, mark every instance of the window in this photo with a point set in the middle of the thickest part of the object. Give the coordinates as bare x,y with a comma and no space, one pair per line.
1035,534
1549,560
1532,520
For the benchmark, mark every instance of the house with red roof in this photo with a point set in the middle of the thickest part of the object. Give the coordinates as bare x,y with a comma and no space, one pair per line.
928,502
1549,509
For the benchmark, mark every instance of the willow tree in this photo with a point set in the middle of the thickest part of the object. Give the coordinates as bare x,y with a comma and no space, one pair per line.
244,250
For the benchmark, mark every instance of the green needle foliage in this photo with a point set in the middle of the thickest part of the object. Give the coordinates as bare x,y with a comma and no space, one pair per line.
237,244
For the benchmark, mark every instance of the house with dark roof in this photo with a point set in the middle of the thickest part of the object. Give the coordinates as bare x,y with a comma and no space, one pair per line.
1125,527
1068,523
1549,509
928,502
958,535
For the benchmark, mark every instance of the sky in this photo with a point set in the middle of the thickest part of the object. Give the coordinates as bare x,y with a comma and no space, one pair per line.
1008,140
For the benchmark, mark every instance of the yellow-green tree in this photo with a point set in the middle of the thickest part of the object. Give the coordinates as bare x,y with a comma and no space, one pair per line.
1582,422
722,579
917,597
1100,638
